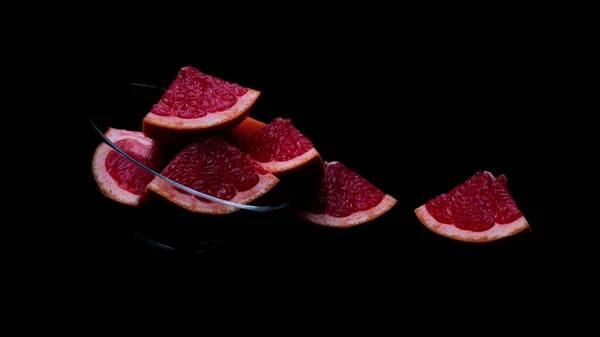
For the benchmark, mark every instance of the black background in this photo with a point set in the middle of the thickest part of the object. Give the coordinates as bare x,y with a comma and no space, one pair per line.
413,109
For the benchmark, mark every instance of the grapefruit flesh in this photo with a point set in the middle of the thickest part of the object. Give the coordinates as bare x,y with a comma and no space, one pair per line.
346,199
278,146
195,102
119,178
479,210
217,168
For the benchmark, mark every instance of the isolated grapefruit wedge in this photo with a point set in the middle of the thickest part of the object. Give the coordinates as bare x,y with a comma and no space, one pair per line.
196,102
119,178
346,199
278,146
217,168
479,210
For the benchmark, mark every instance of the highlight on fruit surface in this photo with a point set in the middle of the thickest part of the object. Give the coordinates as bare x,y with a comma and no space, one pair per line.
479,210
195,102
346,199
217,168
119,178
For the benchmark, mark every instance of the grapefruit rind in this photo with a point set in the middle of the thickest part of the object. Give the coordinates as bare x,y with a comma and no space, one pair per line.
352,220
497,232
239,110
191,203
279,167
244,131
108,186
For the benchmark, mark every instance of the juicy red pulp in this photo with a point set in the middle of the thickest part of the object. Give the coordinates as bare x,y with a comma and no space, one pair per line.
193,94
344,192
476,204
278,141
214,167
127,174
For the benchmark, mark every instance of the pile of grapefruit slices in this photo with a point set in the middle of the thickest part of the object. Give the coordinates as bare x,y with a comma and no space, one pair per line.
199,134
222,152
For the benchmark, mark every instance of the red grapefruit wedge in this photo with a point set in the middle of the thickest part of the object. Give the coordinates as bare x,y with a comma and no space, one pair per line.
119,178
346,199
478,210
278,146
217,168
196,102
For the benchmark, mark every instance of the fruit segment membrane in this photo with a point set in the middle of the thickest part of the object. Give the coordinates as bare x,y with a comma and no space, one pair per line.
344,192
194,94
476,205
214,167
127,174
119,178
278,141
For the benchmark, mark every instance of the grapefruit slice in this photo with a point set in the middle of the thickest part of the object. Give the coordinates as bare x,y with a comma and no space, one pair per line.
278,146
346,199
119,178
217,168
479,210
196,102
